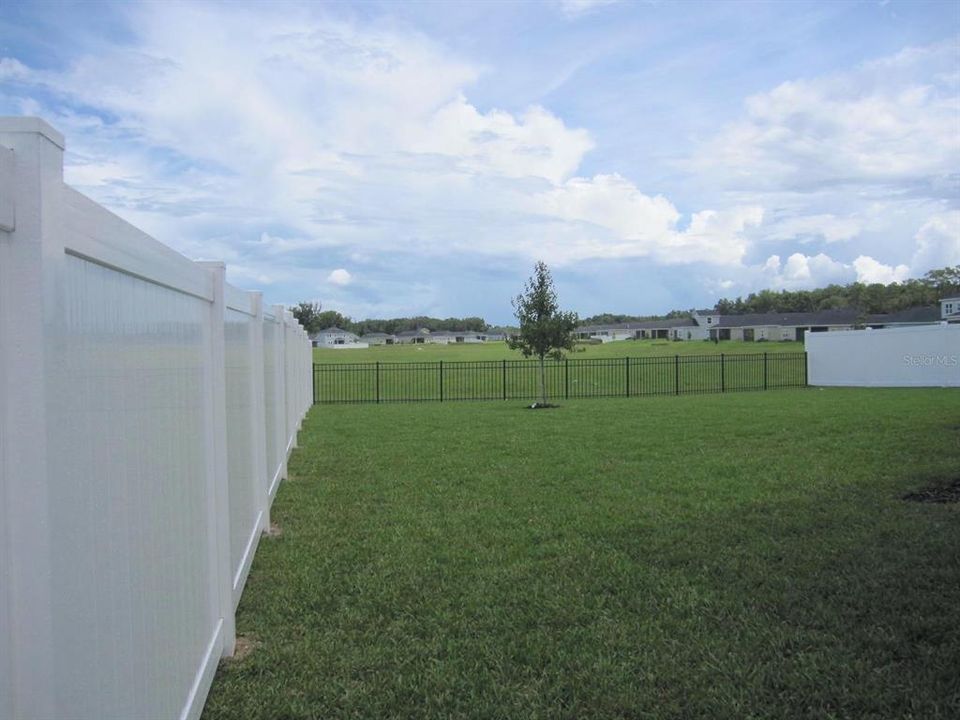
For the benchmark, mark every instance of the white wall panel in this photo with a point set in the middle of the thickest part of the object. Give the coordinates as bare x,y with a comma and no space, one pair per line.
921,356
133,613
244,477
272,401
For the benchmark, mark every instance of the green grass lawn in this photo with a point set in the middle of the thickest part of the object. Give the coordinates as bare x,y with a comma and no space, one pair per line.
721,556
499,351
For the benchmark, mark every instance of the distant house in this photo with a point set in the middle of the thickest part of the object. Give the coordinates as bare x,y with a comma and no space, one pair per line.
415,337
754,327
606,333
337,338
903,318
469,336
378,338
442,337
499,334
950,309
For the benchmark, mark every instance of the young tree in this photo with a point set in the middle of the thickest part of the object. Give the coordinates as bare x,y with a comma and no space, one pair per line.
545,330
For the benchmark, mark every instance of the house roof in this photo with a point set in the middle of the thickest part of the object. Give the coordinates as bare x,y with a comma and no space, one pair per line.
910,315
377,335
414,333
843,316
644,325
334,330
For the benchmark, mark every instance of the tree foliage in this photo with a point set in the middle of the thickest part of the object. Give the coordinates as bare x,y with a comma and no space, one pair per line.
868,299
545,330
308,313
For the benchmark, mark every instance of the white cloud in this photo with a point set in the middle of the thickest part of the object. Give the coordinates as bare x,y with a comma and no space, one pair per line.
891,121
802,272
340,277
576,8
827,227
873,271
937,243
638,225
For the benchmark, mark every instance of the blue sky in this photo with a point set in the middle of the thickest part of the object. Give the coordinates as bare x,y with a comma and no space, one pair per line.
401,158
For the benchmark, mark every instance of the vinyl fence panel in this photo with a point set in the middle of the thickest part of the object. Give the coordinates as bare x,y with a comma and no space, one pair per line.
921,356
134,451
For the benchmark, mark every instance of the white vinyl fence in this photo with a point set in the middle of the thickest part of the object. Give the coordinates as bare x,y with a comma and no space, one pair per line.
147,409
920,356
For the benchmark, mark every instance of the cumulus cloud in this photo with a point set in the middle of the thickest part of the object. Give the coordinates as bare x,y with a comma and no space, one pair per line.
872,271
340,277
937,243
803,272
638,225
888,122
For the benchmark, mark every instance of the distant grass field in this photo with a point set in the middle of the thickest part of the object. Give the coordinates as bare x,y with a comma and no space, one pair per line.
463,352
720,556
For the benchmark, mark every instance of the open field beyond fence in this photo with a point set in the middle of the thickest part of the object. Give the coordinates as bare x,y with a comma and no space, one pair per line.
565,379
476,352
715,556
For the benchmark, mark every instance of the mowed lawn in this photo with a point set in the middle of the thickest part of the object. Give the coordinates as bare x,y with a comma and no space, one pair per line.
463,352
721,556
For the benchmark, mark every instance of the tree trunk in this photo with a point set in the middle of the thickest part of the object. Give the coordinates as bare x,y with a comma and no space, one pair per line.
543,382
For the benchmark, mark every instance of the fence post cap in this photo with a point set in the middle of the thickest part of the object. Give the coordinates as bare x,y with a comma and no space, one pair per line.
37,125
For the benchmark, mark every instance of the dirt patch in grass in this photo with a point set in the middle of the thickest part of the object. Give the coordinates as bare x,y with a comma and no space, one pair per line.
246,644
274,531
942,494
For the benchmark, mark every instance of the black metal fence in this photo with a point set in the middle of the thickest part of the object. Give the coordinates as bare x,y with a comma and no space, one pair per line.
566,379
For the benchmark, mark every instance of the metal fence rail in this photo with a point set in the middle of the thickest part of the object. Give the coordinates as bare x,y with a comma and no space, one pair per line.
381,382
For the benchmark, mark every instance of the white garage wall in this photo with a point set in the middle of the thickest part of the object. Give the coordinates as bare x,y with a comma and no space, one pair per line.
921,356
135,467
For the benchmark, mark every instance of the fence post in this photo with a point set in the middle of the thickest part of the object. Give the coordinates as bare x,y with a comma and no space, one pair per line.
504,379
377,384
806,369
566,378
627,364
676,374
31,258
218,513
723,376
280,383
258,404
441,381
764,371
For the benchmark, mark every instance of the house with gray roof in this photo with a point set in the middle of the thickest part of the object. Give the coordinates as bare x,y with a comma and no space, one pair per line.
753,327
336,338
414,337
378,338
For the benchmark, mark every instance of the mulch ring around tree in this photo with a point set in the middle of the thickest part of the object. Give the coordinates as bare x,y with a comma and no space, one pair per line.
943,494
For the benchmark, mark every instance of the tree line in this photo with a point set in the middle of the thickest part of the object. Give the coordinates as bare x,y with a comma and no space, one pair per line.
866,298
314,319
